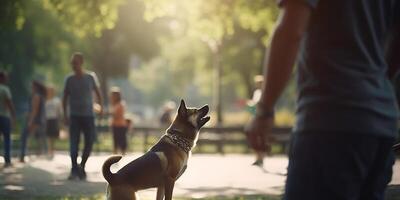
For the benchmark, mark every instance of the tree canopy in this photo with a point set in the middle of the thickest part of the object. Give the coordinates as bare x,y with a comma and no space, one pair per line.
166,48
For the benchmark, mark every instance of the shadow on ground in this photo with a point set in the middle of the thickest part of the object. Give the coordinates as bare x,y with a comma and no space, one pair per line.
27,182
217,191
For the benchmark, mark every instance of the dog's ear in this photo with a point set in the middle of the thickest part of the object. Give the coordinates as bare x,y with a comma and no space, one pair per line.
182,108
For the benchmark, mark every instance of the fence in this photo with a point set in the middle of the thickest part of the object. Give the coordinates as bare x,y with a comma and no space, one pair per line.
214,136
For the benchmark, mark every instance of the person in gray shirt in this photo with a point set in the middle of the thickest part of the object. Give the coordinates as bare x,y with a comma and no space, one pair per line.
346,116
78,95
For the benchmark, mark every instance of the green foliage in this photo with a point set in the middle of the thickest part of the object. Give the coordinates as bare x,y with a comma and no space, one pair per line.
84,17
111,52
235,31
11,14
39,36
168,48
215,19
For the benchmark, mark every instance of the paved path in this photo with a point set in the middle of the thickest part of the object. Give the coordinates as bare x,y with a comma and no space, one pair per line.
207,175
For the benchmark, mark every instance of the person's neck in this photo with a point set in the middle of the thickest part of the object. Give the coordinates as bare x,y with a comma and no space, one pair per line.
79,73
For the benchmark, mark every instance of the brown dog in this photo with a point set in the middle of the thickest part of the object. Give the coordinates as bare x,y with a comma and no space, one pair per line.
163,164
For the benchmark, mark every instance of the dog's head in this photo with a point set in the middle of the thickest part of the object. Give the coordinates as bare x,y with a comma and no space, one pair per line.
190,120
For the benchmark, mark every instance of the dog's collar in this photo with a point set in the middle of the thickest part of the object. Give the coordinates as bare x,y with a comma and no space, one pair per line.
182,143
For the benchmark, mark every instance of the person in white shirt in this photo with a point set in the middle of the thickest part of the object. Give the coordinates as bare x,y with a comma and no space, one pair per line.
53,116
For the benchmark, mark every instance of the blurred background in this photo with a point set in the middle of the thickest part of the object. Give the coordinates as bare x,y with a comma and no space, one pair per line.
154,50
157,52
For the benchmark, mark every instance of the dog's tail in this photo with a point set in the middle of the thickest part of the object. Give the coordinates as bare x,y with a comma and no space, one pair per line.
106,168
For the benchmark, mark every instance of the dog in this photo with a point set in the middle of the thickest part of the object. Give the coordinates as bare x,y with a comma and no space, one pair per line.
163,164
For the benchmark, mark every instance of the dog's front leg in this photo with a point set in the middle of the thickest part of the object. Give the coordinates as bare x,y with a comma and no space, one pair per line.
169,188
160,192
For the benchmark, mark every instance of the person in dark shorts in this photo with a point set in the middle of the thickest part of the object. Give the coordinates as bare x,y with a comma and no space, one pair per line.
78,95
53,116
118,122
346,118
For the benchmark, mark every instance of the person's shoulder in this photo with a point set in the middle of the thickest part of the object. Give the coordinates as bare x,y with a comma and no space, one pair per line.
69,76
91,74
4,88
55,100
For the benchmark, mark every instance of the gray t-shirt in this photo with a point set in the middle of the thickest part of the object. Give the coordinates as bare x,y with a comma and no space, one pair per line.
80,90
4,95
342,72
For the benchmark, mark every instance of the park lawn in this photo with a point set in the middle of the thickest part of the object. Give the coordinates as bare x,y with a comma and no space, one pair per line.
101,197
238,197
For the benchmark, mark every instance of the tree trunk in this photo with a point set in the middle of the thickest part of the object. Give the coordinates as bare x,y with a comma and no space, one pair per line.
218,85
104,88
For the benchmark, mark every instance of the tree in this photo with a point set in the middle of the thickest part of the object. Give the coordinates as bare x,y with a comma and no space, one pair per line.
132,36
38,36
222,25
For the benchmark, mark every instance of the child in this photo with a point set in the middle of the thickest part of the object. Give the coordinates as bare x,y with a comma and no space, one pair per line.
119,123
53,116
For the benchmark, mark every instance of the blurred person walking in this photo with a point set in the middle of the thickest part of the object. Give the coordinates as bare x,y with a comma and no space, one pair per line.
7,117
78,96
346,118
118,122
53,117
36,120
257,140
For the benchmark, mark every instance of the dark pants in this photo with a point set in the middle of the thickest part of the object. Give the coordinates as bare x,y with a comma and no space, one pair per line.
338,166
5,129
77,125
119,136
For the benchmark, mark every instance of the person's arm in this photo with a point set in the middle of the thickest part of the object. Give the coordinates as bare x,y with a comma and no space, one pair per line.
99,98
97,92
284,46
35,108
64,104
11,108
59,108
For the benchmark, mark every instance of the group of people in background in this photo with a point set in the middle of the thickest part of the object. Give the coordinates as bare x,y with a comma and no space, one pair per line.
77,110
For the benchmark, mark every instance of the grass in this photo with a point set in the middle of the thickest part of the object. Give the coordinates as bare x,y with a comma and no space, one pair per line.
94,197
240,197
101,197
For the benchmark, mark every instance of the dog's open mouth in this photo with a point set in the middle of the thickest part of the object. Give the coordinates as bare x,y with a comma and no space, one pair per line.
202,118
